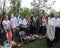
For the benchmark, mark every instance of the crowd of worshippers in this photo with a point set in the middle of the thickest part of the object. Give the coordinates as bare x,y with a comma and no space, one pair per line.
30,26
42,25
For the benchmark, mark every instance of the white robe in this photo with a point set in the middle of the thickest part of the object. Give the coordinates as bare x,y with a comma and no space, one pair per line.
51,29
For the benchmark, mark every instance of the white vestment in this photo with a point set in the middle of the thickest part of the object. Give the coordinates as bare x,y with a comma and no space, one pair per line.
51,29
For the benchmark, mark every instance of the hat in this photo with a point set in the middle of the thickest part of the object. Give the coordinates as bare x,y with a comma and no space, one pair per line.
51,15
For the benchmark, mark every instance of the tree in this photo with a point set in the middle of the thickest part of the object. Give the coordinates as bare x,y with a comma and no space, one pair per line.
59,13
41,5
3,5
25,12
16,5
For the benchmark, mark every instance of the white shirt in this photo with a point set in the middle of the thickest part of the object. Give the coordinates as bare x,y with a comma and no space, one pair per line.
25,22
43,22
20,21
34,19
17,21
6,23
13,22
57,22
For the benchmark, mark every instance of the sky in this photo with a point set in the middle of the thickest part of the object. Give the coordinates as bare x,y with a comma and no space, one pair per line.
27,3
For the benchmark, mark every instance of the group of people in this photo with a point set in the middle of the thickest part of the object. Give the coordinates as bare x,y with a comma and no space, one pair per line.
30,25
42,25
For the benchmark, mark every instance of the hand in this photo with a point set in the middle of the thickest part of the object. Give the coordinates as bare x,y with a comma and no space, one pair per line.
33,24
5,31
40,25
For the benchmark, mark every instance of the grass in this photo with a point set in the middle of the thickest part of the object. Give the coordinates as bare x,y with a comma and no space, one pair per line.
35,44
39,44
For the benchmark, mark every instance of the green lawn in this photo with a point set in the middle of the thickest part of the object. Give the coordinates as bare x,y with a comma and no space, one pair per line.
38,44
35,44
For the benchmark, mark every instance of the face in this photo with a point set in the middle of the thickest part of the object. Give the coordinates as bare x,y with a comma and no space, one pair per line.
38,17
6,18
19,16
16,14
32,15
26,17
43,17
5,14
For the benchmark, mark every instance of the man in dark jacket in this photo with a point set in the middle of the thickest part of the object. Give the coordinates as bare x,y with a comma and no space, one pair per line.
32,24
38,24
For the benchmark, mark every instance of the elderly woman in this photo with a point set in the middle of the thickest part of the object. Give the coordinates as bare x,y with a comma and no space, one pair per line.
50,31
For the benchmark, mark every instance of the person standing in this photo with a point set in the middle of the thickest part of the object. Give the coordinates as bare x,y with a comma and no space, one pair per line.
6,26
17,24
57,28
38,24
50,31
25,25
43,26
17,20
13,26
20,22
32,24
3,18
17,28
